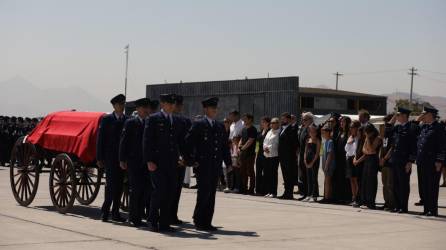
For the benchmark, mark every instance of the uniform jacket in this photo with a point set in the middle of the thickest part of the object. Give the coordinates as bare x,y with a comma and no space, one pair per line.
163,143
208,146
430,144
130,146
107,145
403,143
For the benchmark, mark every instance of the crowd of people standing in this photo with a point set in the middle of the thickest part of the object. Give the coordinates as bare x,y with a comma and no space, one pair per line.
12,128
350,153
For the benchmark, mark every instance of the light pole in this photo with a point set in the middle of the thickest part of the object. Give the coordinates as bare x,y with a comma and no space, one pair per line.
126,68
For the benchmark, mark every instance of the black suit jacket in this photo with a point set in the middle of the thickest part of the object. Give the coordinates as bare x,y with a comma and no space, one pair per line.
288,144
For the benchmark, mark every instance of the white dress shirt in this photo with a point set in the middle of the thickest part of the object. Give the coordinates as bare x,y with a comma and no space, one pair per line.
350,148
235,130
271,142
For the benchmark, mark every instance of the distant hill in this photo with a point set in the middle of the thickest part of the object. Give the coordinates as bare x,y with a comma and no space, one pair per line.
20,97
437,101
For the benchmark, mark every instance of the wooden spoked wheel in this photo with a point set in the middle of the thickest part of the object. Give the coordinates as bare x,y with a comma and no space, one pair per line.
88,184
62,183
24,172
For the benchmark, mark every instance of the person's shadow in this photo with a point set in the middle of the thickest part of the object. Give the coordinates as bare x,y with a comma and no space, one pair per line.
78,211
187,230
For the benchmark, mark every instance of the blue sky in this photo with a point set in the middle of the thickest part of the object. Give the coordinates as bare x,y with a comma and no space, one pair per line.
80,43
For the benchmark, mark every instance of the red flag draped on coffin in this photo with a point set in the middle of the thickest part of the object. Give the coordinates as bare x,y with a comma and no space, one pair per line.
69,132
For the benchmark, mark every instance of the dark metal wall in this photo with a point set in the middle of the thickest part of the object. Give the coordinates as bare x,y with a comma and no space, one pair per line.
265,96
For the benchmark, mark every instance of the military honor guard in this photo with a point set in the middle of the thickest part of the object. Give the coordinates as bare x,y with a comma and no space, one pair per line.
403,150
107,155
185,126
430,158
163,141
207,143
130,157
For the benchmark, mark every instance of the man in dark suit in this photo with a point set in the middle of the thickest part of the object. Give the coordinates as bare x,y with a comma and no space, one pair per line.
303,135
107,155
430,158
185,126
163,142
130,157
288,156
207,143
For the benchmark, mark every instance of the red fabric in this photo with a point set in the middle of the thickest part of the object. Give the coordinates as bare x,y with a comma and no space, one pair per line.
69,132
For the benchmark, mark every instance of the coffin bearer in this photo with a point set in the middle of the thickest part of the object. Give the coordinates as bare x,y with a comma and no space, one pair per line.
430,157
130,158
163,141
107,155
208,147
185,126
401,155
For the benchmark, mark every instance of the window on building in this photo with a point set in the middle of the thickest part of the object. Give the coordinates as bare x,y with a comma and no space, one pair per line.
370,105
330,103
307,102
351,104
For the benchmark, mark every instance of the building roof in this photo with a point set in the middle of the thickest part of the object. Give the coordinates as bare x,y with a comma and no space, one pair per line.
322,91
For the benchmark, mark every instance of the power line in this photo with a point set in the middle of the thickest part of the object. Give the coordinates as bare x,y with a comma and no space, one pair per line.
433,72
432,79
375,72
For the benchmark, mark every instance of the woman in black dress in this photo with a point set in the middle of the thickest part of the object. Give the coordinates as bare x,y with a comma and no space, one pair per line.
260,158
311,159
341,186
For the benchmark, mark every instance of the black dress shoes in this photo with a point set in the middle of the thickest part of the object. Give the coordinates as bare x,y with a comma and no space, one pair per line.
166,229
302,198
286,197
118,218
154,227
104,217
138,224
177,222
420,203
206,228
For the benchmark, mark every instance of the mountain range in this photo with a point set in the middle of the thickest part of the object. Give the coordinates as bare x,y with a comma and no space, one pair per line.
22,98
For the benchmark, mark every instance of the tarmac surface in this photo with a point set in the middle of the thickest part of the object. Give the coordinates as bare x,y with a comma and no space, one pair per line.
245,222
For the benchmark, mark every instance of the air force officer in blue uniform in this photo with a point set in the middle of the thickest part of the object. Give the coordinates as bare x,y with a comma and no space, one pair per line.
208,147
430,158
130,157
162,145
107,155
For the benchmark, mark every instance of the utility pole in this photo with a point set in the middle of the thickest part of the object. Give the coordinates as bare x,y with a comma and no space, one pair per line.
126,51
412,73
337,74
